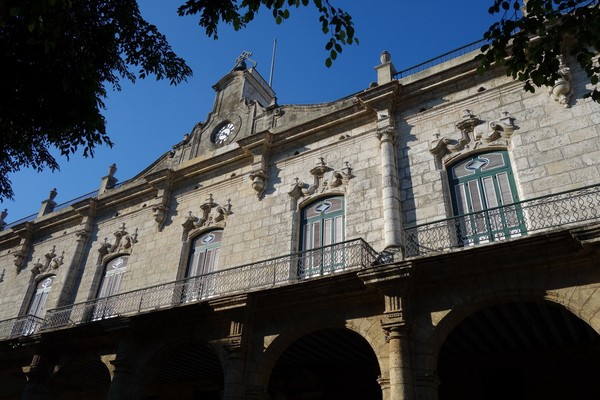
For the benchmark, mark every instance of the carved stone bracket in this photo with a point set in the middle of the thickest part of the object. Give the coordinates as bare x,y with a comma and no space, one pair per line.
325,179
51,262
162,183
258,147
474,134
212,214
23,249
259,179
124,242
562,90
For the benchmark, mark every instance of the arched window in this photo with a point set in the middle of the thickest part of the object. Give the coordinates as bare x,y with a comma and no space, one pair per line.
322,228
113,275
111,282
204,254
204,259
37,306
483,187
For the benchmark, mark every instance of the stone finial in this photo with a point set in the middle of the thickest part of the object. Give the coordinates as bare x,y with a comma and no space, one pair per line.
48,204
108,181
3,216
385,57
385,70
112,169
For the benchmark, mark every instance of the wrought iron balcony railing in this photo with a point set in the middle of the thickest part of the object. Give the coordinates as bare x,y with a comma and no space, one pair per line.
285,270
505,222
20,326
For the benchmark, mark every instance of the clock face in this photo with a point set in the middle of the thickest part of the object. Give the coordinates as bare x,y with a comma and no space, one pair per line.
224,133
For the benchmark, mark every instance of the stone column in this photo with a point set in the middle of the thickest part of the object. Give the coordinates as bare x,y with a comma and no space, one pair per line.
384,383
428,385
38,376
394,281
389,187
401,386
125,383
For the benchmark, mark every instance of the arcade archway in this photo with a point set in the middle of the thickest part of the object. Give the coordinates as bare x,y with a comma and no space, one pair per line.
520,351
328,364
190,371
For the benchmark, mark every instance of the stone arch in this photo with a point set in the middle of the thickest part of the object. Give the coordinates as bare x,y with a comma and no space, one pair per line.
173,364
81,377
473,323
368,332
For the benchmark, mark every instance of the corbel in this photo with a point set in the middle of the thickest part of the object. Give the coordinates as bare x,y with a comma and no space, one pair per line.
25,234
258,147
163,185
562,90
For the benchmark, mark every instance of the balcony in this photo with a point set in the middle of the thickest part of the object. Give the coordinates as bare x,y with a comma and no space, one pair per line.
506,222
294,268
20,326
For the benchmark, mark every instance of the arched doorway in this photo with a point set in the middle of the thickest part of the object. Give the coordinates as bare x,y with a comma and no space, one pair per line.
328,364
520,351
190,371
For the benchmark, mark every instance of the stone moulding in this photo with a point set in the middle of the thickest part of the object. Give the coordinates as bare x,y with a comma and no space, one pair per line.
124,242
325,179
212,215
474,135
51,262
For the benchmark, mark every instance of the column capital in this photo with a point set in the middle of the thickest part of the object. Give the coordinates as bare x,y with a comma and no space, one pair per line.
387,134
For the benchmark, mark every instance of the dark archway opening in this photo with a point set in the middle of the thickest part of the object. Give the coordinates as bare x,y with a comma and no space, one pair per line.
520,351
329,364
88,380
12,383
190,372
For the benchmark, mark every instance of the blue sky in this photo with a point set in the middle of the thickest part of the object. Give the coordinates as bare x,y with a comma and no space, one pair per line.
145,119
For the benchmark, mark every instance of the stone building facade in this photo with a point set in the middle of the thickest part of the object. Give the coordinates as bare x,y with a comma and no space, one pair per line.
434,236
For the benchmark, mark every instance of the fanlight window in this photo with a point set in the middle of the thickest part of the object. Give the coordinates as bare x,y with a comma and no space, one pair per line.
322,228
204,255
483,188
111,282
113,275
37,306
204,259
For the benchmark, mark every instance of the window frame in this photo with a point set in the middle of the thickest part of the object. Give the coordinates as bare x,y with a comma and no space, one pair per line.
321,253
485,200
